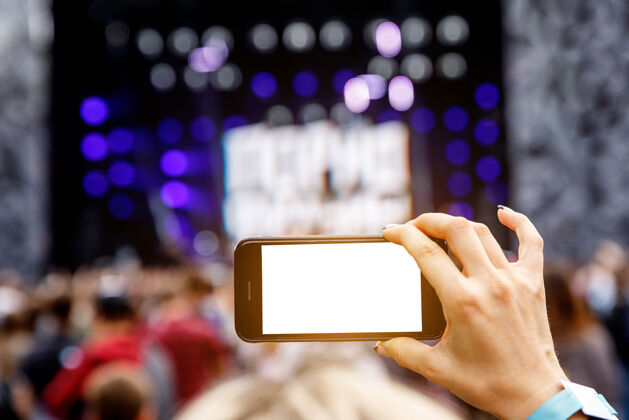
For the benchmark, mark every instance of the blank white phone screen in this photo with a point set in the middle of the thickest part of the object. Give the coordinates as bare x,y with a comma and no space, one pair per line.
340,288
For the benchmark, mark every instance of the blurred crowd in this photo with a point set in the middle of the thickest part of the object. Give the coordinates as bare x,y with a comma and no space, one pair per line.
124,341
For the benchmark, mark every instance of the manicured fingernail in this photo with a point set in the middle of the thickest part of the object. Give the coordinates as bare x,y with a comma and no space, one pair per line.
390,226
500,206
378,348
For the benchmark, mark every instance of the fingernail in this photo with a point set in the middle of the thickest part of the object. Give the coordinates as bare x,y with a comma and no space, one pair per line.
500,206
390,226
380,349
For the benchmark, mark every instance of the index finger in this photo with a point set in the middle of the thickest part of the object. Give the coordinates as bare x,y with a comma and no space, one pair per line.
432,260
461,238
531,250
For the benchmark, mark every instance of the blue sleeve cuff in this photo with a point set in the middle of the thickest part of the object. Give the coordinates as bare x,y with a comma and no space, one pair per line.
607,404
559,406
573,398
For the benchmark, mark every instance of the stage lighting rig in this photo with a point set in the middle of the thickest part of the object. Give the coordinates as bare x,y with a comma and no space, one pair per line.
168,87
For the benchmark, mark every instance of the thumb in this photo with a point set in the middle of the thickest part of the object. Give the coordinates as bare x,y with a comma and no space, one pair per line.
411,354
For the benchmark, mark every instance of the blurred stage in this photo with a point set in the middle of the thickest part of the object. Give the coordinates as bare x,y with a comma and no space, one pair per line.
151,103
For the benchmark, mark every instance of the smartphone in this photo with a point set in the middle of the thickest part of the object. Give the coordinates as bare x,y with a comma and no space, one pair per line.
331,288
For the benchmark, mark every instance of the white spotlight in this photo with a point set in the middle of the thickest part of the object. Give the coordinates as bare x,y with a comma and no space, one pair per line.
279,115
182,40
299,37
264,38
417,67
163,77
227,78
416,32
385,67
195,81
312,112
218,32
150,43
451,66
452,30
340,114
206,243
335,36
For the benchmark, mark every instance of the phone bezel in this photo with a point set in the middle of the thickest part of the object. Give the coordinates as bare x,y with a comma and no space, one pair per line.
248,294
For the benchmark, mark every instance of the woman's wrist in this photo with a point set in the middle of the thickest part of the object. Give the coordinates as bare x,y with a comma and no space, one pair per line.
528,396
539,397
566,400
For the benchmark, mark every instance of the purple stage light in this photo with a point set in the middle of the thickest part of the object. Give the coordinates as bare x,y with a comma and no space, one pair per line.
455,118
488,168
94,147
356,94
220,44
461,208
388,115
263,85
170,224
121,207
121,174
202,129
169,130
388,39
401,93
423,120
487,96
376,84
305,84
497,192
210,57
459,184
340,78
95,183
94,110
196,61
486,132
204,60
175,194
120,140
458,152
234,121
174,163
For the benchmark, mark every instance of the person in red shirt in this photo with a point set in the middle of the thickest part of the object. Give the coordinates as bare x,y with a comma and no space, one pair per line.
197,351
113,339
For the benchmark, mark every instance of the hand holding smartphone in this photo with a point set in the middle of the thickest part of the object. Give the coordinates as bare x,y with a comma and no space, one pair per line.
332,288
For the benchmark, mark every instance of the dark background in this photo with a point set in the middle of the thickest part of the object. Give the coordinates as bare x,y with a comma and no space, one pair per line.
85,65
